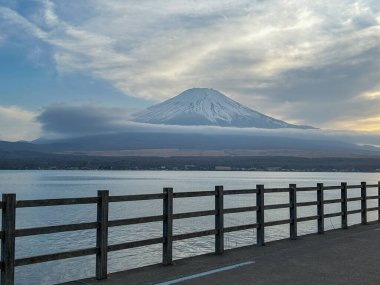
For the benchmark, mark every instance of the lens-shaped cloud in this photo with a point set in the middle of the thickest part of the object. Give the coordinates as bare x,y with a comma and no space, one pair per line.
74,121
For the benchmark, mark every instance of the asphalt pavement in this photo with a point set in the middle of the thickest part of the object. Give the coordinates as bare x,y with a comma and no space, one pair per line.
350,256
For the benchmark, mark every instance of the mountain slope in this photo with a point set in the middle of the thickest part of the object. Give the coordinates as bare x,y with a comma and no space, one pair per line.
161,141
204,106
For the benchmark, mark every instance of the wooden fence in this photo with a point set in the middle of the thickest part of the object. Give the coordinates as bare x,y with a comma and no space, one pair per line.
9,232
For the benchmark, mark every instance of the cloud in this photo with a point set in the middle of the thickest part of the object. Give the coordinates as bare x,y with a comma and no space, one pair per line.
73,121
65,120
18,124
309,62
13,23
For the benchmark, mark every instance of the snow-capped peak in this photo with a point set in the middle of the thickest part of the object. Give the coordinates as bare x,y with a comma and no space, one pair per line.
206,106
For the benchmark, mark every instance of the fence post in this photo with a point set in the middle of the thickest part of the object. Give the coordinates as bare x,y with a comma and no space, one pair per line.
167,247
260,214
320,210
293,210
378,200
219,220
363,189
102,235
343,196
8,241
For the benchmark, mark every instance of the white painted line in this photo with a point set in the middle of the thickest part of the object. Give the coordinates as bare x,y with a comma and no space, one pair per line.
376,229
206,273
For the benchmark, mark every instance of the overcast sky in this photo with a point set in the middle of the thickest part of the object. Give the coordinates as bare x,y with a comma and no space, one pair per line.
303,61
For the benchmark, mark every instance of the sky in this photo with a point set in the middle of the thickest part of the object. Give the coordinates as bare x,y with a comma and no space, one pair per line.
305,62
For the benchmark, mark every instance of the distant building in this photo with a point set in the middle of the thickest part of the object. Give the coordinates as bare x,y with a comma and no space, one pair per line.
222,168
277,168
190,166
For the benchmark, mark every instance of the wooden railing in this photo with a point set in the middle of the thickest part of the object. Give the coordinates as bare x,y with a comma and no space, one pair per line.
9,232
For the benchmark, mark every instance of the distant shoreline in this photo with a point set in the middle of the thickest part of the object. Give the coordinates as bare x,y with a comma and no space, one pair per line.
45,161
168,170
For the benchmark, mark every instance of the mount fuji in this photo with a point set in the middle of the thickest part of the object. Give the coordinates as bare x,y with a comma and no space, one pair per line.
208,107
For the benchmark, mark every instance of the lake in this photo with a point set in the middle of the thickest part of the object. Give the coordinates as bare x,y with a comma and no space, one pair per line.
64,184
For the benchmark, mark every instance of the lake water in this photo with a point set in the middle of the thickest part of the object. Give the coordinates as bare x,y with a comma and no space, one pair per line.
64,184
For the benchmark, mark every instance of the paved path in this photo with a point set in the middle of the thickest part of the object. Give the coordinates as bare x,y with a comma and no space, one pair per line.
349,256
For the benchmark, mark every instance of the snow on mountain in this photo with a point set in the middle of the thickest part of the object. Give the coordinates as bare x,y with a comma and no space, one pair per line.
204,106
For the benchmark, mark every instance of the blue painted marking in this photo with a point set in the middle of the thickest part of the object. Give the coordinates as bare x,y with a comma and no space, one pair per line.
206,273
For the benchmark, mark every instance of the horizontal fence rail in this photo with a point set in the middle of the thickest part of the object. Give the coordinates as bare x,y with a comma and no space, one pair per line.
9,233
